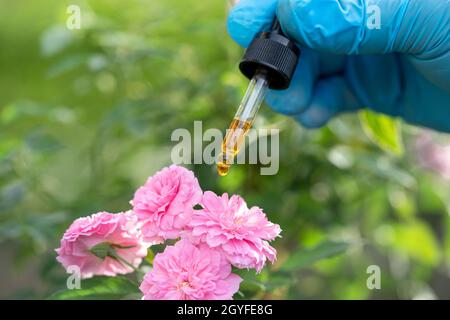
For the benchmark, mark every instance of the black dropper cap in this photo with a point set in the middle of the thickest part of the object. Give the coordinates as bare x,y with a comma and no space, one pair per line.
273,54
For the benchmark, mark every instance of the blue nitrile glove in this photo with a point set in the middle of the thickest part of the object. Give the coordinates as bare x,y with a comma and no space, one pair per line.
401,69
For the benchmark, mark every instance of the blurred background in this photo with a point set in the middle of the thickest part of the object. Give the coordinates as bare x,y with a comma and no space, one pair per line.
86,116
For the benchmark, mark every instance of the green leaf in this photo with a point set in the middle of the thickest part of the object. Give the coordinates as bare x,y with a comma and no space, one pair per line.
150,256
119,246
11,195
106,249
67,64
55,39
307,257
417,240
42,142
383,131
102,250
109,288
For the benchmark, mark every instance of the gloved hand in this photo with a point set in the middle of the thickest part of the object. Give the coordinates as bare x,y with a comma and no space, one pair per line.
401,69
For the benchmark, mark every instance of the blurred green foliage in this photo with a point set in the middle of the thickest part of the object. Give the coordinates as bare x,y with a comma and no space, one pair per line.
86,116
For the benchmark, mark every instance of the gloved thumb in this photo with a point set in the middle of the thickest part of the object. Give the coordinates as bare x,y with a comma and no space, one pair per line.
415,27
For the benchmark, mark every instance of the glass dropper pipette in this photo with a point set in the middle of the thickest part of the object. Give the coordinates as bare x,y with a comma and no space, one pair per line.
269,62
242,122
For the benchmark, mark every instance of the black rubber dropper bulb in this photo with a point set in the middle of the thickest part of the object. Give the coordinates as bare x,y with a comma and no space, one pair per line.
272,53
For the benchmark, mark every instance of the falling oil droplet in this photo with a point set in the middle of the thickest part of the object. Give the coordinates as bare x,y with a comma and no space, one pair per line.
231,144
222,169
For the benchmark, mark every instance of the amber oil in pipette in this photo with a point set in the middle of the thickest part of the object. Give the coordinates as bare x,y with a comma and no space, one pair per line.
232,143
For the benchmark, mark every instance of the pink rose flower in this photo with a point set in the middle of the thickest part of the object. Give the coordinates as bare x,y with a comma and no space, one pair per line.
187,272
241,233
433,155
165,202
103,244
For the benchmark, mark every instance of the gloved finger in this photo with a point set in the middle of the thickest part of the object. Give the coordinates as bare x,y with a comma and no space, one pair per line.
249,17
436,70
331,96
297,97
377,81
353,27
